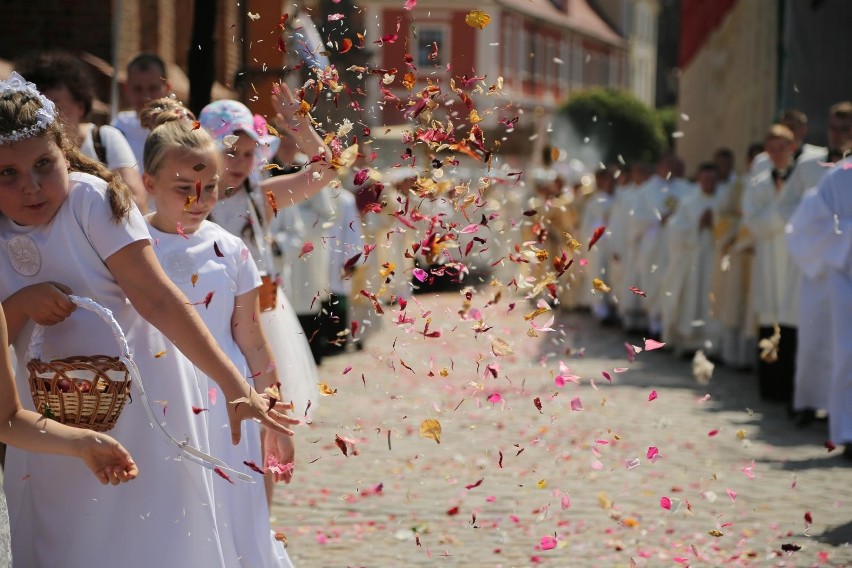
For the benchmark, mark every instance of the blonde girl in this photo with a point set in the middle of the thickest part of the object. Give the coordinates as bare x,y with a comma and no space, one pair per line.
201,258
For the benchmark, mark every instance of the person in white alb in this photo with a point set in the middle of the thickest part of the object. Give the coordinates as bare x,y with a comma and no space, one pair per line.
686,302
811,295
797,122
769,282
820,239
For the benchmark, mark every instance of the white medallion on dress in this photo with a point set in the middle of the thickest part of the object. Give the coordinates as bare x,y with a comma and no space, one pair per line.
24,255
180,266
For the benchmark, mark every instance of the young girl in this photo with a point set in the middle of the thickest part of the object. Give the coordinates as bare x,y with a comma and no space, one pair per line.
65,230
105,457
182,175
243,211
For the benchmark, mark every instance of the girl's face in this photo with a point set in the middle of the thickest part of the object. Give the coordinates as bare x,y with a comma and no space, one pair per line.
33,180
184,191
238,161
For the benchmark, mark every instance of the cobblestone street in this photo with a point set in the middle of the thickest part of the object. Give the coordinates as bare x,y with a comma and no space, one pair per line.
734,481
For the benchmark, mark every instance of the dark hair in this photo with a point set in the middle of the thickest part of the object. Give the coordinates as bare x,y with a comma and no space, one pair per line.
754,149
795,116
145,61
841,110
56,69
724,153
18,111
708,167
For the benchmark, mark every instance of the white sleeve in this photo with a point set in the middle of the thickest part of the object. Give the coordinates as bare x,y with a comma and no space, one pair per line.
118,151
248,276
92,209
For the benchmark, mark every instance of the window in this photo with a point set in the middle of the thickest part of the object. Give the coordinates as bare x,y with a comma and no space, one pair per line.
427,38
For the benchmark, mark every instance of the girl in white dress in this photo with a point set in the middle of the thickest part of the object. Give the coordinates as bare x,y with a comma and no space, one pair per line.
244,206
64,230
181,175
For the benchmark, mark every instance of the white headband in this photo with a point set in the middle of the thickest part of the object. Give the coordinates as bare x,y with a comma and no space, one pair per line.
44,116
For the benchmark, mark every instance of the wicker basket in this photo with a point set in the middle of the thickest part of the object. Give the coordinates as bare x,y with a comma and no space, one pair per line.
82,391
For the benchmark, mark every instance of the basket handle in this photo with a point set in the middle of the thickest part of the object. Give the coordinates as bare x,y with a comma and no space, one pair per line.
34,351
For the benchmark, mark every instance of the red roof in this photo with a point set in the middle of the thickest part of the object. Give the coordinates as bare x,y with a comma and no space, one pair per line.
580,17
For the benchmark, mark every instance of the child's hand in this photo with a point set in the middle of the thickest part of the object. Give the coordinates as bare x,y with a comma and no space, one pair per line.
285,103
280,447
46,303
257,407
108,459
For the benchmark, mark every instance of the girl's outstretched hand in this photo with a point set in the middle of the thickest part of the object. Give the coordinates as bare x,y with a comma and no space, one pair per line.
257,407
280,447
107,459
285,103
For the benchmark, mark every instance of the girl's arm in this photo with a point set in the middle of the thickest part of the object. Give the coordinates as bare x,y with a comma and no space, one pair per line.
249,336
293,188
158,300
107,459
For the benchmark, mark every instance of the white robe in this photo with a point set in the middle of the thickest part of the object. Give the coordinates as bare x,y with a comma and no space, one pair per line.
596,214
769,267
618,253
686,287
658,198
820,239
762,163
811,296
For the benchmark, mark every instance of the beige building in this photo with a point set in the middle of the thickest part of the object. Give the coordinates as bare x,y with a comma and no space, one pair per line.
728,89
636,21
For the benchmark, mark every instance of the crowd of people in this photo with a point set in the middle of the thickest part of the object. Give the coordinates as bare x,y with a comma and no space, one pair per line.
229,256
172,222
714,263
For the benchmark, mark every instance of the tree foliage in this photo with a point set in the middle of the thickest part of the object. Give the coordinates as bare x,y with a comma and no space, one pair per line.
618,123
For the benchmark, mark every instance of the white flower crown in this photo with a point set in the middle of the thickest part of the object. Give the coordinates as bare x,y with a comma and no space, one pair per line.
44,116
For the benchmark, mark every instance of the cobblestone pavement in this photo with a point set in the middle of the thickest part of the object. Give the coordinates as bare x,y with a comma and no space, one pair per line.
740,479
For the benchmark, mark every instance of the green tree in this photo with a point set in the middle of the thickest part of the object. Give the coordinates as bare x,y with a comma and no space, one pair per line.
618,123
668,120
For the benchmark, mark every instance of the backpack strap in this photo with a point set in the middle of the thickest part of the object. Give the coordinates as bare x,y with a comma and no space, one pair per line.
100,149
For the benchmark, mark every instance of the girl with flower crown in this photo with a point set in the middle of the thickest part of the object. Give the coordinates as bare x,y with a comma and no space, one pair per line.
68,224
202,258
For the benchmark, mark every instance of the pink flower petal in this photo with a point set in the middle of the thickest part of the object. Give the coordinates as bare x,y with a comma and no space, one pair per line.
653,453
566,502
712,433
650,345
666,503
652,396
548,543
420,274
606,376
495,398
470,229
732,494
212,395
576,404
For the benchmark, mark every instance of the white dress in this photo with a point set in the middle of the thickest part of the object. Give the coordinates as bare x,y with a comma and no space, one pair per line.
60,514
241,509
296,368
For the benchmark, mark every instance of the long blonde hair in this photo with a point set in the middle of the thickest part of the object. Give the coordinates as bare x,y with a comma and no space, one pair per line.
172,127
18,112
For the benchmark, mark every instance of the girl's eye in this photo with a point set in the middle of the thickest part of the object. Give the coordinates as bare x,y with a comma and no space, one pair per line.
43,163
185,188
7,172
